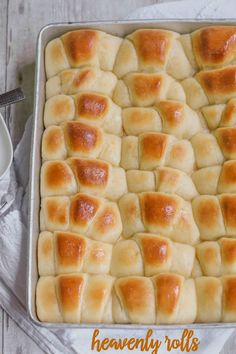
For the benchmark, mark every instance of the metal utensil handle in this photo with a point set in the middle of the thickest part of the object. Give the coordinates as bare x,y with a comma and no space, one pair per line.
10,97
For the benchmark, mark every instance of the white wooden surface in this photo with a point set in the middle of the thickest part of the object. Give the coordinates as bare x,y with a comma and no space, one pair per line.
20,22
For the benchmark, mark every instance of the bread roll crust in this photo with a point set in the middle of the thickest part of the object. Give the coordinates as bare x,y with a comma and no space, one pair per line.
81,46
159,211
214,46
152,46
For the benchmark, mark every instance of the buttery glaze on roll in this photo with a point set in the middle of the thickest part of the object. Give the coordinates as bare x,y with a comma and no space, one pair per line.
211,47
210,87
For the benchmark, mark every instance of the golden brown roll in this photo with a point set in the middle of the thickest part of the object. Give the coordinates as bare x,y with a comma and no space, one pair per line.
75,298
210,87
75,139
82,175
163,179
79,48
86,107
175,299
67,252
152,50
217,257
156,212
211,47
215,216
150,254
226,138
85,214
134,300
145,89
151,150
178,119
165,298
57,178
72,81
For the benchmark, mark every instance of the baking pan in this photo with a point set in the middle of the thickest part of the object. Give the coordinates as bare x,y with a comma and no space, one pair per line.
47,33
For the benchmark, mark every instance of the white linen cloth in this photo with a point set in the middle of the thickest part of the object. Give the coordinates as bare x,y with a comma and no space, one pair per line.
13,225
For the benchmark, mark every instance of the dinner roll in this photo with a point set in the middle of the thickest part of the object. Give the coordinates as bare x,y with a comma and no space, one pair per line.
156,212
83,213
145,89
72,81
67,252
79,48
72,298
152,50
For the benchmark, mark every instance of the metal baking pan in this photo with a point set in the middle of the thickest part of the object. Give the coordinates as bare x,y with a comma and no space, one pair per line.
47,33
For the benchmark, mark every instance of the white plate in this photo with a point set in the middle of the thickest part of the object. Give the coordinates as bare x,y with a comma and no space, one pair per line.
6,150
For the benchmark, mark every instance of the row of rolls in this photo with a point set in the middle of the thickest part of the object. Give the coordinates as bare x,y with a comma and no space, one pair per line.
145,65
163,299
176,137
205,217
144,254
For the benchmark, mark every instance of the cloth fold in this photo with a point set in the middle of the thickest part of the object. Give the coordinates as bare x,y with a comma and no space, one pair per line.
13,225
